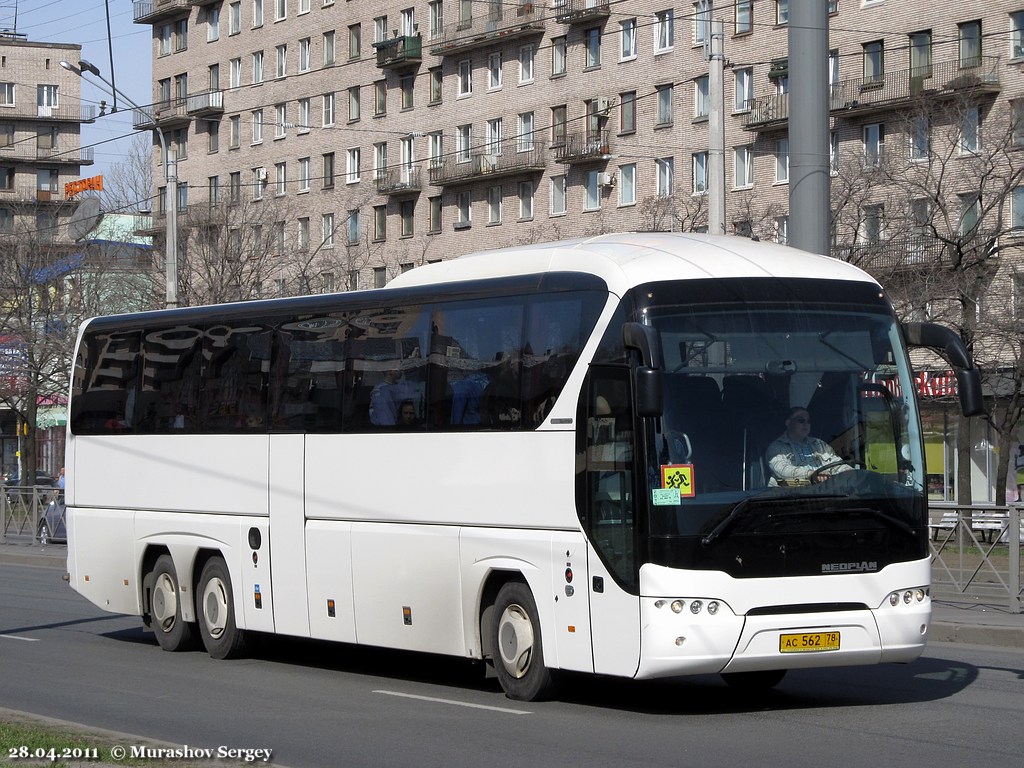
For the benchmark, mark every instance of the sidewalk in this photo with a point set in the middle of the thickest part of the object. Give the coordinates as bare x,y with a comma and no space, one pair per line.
952,621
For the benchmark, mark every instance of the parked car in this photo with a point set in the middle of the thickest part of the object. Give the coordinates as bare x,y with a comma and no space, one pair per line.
17,492
52,523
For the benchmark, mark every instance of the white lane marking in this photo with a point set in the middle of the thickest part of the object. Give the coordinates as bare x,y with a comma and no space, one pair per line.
455,703
26,639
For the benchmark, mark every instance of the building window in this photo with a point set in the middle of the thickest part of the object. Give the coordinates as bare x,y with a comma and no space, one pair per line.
257,126
781,229
380,29
592,40
407,84
558,57
744,17
920,56
328,109
281,124
627,184
664,30
304,48
257,67
874,62
282,60
434,214
352,157
494,71
782,11
234,131
407,213
436,81
380,277
380,98
558,197
700,173
304,174
328,45
558,120
969,36
664,108
874,144
920,137
328,170
463,143
282,178
701,102
665,170
380,223
743,167
592,192
494,205
464,208
327,228
627,40
970,131
872,224
352,227
782,161
436,14
627,112
527,55
524,142
1017,35
235,18
525,200
464,82
744,80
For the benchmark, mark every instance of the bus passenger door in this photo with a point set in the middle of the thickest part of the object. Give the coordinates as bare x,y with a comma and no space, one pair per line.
607,497
287,534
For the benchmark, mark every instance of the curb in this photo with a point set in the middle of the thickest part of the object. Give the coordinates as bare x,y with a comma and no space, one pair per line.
973,634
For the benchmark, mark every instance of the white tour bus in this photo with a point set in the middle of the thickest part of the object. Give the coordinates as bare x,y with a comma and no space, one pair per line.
549,457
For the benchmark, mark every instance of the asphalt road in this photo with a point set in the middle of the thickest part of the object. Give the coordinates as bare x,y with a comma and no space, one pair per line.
318,704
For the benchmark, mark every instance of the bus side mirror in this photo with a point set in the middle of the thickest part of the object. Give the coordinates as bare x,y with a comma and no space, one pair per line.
647,377
650,392
951,347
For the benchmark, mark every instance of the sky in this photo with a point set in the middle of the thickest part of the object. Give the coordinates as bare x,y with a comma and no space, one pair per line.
85,22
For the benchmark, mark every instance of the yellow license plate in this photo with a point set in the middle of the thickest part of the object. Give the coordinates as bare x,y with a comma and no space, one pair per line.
809,642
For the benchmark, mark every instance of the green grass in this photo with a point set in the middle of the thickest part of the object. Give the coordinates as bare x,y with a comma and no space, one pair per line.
18,731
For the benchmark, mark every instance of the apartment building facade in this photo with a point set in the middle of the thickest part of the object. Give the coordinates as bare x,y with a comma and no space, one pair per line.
40,150
330,144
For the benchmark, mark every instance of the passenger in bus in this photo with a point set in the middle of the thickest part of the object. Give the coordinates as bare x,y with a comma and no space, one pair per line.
795,458
407,414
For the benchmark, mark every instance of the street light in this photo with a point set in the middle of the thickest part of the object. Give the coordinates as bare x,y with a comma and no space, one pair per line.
170,175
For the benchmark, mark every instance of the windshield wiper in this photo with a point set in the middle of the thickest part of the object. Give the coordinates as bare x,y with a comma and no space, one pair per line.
729,519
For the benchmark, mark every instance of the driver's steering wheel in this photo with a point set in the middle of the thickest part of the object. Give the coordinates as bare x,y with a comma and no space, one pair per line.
815,475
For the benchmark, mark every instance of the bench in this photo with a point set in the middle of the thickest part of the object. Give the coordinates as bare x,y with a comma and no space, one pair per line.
988,523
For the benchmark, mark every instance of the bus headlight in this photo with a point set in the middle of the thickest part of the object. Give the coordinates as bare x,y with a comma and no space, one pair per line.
677,606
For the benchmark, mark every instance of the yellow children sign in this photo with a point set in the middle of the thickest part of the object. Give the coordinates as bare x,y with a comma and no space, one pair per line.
678,476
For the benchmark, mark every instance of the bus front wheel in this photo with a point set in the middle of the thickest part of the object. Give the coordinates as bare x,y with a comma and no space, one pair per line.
173,633
516,644
221,638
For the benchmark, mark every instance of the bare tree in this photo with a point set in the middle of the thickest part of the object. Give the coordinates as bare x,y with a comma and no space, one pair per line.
930,217
128,186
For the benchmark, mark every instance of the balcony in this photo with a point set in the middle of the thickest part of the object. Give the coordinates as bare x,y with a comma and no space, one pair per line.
915,252
206,104
77,156
487,29
152,11
450,171
197,3
399,182
586,147
893,90
31,195
580,11
165,114
399,52
72,113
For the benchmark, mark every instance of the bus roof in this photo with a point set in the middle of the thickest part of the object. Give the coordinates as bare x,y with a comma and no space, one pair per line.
627,259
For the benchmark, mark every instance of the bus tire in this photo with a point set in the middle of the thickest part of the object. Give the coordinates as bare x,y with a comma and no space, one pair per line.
761,680
173,633
516,644
216,611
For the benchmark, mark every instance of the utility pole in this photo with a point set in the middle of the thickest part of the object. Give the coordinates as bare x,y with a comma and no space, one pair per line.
810,210
716,130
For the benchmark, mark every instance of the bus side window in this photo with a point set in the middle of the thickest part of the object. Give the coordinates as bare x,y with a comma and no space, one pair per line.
106,380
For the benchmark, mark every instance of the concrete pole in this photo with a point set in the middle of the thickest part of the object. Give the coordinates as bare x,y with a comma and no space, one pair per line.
171,250
809,178
716,131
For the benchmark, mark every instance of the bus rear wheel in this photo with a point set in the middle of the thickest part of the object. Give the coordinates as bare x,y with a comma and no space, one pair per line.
173,633
221,637
516,644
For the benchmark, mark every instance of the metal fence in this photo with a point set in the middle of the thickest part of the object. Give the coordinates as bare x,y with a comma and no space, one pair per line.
36,513
976,552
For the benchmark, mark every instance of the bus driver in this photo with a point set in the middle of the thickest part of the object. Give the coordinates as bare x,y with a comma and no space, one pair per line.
795,457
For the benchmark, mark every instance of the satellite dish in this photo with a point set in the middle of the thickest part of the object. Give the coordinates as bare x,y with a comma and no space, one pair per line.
85,218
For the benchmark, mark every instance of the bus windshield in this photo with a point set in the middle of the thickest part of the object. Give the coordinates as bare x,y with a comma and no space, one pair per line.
789,442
